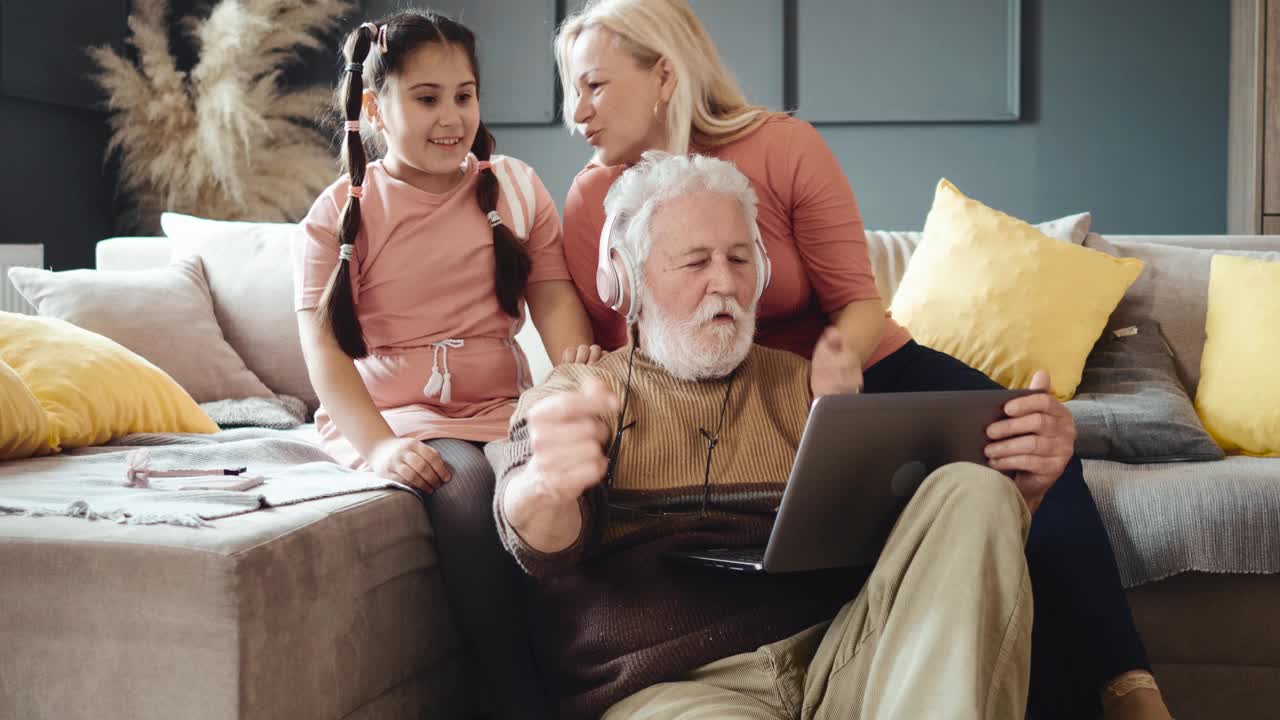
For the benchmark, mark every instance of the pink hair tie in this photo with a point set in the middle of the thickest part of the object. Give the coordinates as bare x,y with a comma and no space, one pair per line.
352,125
355,191
483,165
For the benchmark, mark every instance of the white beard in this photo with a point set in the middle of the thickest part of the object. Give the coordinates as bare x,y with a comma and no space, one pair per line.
674,344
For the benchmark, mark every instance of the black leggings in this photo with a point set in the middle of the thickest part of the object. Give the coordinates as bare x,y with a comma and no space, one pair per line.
1083,634
485,587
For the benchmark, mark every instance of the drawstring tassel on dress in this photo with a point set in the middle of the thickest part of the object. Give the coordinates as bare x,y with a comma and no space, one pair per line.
441,384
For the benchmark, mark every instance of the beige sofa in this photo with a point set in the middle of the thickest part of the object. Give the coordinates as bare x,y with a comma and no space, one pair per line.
1198,544
335,609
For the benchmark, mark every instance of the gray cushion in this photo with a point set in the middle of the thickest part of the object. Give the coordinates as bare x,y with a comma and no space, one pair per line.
1172,290
1130,406
281,412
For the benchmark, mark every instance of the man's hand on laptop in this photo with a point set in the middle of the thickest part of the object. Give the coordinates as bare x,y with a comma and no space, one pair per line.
567,433
1035,442
836,368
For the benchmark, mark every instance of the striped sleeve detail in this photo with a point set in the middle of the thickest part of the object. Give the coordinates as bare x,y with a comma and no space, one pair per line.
517,191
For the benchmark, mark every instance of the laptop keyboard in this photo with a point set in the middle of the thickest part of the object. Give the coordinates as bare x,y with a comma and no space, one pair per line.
739,554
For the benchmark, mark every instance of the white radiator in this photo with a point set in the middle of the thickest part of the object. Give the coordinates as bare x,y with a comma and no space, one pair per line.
17,256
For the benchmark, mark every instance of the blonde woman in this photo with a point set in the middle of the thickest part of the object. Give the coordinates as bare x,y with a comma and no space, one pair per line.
639,75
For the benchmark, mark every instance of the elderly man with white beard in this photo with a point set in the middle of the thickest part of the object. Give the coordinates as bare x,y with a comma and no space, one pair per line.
686,437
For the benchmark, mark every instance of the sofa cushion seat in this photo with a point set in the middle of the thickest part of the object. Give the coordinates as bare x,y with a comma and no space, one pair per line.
1213,641
329,608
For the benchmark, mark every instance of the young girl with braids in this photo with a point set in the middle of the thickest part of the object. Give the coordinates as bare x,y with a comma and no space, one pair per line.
411,274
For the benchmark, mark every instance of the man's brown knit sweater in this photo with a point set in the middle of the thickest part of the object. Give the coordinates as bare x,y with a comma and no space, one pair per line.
615,616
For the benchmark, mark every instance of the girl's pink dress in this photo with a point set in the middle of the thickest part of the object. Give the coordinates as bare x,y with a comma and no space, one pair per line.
424,292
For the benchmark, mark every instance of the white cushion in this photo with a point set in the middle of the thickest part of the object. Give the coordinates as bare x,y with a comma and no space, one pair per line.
132,253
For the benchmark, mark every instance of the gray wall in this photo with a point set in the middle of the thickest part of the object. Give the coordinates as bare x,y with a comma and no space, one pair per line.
56,187
1124,113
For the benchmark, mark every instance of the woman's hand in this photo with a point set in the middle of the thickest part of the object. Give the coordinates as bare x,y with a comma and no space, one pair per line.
836,367
585,354
410,462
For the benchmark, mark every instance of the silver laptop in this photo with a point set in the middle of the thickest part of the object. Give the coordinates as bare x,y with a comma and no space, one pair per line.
861,458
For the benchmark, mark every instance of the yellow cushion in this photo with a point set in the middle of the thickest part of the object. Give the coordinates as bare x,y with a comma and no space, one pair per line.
91,388
1239,394
1001,296
24,428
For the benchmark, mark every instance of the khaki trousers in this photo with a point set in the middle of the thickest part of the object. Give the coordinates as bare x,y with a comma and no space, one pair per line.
941,629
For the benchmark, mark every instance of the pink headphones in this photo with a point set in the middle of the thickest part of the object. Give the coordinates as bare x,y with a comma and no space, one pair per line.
616,269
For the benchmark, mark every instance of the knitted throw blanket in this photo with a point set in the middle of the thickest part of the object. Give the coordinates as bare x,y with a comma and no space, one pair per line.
90,482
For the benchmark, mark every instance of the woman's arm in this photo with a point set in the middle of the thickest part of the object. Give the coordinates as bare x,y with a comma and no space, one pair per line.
844,346
861,323
558,315
832,243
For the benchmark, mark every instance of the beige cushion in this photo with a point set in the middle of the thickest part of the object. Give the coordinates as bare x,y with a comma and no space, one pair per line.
891,250
165,315
1173,290
251,281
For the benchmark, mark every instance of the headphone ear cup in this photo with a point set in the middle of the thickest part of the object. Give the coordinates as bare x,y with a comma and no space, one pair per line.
622,286
625,269
608,275
764,273
607,285
609,281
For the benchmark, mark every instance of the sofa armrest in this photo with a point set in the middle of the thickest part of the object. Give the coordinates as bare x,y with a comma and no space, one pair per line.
132,253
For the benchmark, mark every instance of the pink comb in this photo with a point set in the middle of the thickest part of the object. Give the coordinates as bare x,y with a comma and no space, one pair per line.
138,474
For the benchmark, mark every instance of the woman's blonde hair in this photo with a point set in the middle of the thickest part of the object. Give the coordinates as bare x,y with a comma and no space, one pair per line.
708,107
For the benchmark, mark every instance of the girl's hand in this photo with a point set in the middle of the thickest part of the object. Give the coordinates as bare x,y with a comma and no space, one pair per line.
410,462
585,354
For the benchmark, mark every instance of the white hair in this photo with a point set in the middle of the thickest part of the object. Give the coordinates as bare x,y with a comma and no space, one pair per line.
661,176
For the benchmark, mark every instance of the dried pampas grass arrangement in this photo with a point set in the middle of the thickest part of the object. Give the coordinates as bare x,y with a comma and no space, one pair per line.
224,141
